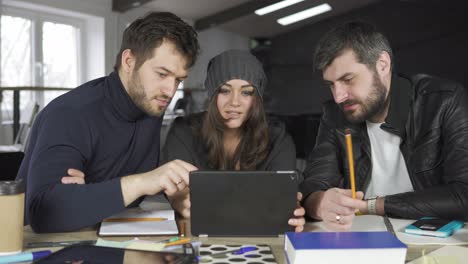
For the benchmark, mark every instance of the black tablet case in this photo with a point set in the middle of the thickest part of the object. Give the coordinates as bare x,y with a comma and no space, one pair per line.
242,203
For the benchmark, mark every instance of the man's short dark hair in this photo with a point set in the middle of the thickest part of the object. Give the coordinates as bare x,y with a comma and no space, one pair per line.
360,37
148,32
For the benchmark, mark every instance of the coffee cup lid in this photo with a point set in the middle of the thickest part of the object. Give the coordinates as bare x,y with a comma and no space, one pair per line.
11,187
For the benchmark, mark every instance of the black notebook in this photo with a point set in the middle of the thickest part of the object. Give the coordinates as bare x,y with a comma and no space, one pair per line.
95,254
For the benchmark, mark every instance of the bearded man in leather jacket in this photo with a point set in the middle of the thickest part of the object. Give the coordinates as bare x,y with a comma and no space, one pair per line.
410,136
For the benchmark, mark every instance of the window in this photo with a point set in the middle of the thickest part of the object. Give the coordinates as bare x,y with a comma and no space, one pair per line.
60,57
38,49
16,62
178,95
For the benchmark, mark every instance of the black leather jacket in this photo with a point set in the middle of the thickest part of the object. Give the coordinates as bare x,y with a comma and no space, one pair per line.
431,117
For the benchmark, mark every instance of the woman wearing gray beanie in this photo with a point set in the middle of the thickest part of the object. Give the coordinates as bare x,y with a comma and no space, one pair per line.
233,134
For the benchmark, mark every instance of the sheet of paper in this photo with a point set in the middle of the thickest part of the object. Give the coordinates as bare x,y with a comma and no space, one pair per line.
362,223
368,223
444,255
131,244
371,223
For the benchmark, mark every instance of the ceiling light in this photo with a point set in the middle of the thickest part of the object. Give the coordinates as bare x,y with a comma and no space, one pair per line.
136,4
271,8
314,11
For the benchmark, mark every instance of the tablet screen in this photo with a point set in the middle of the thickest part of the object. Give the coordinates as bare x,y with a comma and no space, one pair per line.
82,254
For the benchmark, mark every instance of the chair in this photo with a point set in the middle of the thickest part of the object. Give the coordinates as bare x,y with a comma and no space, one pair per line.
20,142
27,119
11,156
303,130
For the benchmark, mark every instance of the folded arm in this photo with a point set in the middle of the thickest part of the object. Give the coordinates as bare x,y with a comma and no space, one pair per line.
55,207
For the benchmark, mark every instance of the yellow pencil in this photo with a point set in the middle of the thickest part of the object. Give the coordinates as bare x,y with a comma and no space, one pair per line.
349,150
178,242
136,219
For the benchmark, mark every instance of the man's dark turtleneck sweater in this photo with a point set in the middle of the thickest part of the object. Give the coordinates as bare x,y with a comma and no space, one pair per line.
97,129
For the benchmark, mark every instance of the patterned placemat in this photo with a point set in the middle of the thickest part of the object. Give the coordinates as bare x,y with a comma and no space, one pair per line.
261,255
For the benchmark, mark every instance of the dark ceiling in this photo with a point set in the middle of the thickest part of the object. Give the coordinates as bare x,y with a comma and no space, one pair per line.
238,15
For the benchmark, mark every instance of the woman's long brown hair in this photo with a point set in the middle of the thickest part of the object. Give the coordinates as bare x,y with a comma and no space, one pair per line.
253,147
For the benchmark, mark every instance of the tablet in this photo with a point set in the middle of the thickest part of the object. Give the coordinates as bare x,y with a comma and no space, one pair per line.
95,254
242,203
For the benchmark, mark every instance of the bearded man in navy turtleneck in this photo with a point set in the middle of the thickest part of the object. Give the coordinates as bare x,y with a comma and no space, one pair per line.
109,129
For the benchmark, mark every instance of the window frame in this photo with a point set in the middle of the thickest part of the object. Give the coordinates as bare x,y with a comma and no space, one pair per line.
38,18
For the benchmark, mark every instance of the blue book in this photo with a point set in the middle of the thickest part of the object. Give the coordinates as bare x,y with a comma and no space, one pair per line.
344,247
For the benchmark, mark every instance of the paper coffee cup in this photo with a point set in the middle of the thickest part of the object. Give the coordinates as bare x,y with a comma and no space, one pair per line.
11,217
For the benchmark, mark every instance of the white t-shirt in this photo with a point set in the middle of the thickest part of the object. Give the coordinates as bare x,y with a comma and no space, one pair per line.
389,172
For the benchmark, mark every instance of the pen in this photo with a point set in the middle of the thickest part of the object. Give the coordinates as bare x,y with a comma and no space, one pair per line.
25,256
134,219
349,150
240,251
59,243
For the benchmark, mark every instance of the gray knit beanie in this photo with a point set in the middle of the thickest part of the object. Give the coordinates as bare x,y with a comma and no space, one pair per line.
234,64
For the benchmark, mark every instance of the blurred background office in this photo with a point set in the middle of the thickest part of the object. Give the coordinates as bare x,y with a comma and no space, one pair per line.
51,46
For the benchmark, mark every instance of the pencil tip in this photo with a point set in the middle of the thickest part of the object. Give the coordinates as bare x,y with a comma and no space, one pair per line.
347,131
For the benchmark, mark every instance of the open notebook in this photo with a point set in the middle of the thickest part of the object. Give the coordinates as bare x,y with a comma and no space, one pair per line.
446,254
152,217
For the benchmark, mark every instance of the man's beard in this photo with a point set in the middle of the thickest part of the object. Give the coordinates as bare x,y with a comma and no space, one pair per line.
141,100
374,104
